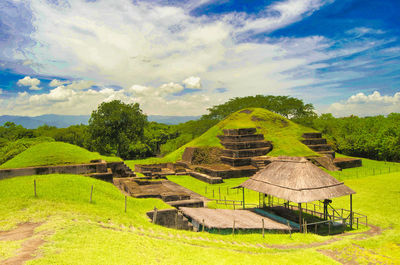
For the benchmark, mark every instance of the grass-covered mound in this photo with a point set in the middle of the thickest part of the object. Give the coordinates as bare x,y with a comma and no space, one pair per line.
284,134
53,153
12,148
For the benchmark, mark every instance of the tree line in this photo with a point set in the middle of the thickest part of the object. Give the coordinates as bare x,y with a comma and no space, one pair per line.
120,129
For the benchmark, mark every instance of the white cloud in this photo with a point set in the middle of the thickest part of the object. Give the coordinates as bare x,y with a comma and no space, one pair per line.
192,82
283,13
366,105
148,49
56,83
361,31
31,82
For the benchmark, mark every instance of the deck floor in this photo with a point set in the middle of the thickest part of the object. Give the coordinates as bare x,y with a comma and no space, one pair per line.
224,219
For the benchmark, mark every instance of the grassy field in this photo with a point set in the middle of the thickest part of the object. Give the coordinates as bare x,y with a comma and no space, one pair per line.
53,153
284,134
102,233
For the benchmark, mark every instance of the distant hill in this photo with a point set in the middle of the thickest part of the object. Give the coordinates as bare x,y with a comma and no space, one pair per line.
62,121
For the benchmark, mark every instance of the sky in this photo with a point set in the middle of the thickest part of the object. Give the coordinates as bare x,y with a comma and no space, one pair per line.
182,57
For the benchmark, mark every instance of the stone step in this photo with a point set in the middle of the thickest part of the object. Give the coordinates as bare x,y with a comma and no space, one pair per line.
236,172
330,153
241,138
312,135
241,131
246,152
246,145
320,147
206,178
347,162
187,203
313,141
236,162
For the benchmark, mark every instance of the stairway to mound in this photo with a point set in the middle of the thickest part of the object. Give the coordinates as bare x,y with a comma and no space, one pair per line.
315,142
241,145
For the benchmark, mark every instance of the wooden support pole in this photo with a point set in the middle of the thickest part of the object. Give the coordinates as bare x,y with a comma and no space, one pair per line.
329,227
91,194
351,211
155,215
203,226
263,228
299,205
243,198
176,220
126,202
290,229
34,187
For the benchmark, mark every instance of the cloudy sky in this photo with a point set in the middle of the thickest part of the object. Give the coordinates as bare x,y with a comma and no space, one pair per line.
181,57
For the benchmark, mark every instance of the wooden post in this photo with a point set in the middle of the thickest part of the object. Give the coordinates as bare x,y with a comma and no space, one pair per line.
34,187
351,211
329,227
243,198
233,229
155,215
305,226
91,194
126,202
315,229
176,220
219,191
263,233
213,193
225,201
202,226
290,229
299,205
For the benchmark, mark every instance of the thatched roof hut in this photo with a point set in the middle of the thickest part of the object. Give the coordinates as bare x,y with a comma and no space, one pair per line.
297,180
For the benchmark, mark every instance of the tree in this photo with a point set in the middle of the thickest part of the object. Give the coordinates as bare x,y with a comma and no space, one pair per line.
288,107
116,128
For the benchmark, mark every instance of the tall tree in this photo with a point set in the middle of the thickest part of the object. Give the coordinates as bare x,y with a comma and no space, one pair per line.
116,128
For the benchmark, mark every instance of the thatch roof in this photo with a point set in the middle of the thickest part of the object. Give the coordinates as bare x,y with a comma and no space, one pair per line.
297,180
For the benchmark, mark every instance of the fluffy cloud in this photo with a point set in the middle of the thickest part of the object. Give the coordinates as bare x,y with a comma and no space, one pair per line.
192,82
31,82
366,105
56,83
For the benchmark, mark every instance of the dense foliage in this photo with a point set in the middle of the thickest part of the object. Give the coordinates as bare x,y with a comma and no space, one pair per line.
371,137
292,108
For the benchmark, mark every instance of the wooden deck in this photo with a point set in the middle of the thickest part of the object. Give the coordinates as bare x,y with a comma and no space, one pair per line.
224,219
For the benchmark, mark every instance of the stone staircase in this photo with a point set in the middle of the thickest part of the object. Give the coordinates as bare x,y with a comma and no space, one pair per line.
241,145
315,142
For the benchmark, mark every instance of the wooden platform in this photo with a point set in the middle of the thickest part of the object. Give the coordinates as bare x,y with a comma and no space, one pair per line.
224,218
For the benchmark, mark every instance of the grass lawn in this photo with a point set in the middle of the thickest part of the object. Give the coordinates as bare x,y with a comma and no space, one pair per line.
102,233
54,153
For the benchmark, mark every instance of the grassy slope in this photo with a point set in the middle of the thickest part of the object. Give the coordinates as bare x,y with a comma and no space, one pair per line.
284,134
99,233
53,153
79,238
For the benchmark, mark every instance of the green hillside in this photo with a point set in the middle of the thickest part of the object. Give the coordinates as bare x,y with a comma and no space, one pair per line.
53,153
284,134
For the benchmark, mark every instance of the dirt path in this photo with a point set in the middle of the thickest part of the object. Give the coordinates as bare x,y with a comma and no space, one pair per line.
29,246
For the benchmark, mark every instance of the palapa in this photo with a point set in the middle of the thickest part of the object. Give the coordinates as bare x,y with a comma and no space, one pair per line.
296,179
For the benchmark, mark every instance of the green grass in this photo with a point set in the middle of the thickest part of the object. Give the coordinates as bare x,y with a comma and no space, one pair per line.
53,153
99,233
284,134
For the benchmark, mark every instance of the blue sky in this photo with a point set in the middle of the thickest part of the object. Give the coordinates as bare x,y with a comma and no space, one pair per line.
181,57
